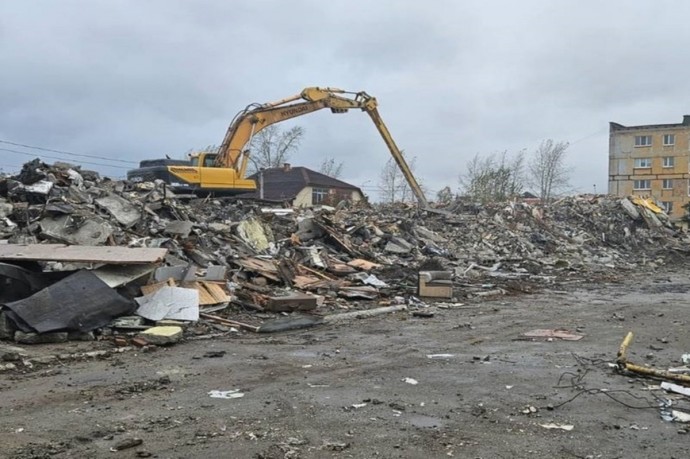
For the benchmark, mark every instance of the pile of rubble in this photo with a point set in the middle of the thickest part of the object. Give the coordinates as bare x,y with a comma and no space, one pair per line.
136,263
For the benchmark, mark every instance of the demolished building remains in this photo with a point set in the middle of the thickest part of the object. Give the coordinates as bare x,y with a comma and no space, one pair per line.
86,257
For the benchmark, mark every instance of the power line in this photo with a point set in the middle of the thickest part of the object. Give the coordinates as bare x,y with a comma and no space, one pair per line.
600,131
67,152
60,159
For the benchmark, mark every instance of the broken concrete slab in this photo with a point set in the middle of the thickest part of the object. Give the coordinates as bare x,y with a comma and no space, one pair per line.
81,254
161,336
76,230
630,208
219,227
398,245
12,353
42,338
6,208
179,273
180,228
122,210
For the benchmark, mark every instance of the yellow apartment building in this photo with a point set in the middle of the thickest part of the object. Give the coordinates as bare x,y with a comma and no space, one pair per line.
651,160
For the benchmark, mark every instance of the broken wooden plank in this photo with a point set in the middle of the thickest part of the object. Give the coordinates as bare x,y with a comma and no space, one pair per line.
82,253
266,268
232,323
210,293
294,302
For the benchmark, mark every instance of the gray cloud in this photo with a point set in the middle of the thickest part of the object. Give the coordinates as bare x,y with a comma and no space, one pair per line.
141,79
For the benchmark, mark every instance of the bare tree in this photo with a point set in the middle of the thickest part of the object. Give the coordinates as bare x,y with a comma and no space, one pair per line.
547,171
444,195
392,183
494,178
272,147
330,168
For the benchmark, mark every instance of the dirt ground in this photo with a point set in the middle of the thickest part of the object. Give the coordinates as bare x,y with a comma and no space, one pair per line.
342,390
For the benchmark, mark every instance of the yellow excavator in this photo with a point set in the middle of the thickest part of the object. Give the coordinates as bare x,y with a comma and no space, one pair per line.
224,171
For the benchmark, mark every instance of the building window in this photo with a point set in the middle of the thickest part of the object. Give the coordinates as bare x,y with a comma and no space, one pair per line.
318,195
667,184
642,184
669,139
667,206
669,161
643,140
643,163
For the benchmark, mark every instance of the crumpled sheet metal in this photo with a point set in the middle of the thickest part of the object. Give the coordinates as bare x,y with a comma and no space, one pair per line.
79,302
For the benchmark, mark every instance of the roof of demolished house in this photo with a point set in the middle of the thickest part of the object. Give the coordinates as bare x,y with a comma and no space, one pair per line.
284,183
81,253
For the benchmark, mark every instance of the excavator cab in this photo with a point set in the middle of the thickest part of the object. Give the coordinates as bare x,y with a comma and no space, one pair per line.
203,159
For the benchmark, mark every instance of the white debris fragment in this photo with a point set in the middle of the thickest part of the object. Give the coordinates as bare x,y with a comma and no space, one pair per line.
567,427
234,393
412,381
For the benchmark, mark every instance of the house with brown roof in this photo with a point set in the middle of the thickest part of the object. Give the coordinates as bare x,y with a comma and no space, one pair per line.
302,187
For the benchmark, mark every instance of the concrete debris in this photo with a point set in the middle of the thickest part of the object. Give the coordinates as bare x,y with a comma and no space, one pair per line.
250,264
126,444
227,394
161,336
120,209
76,229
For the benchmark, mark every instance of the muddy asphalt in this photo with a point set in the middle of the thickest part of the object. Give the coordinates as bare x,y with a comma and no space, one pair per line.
343,391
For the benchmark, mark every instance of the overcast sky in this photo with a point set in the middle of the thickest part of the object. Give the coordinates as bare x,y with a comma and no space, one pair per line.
130,80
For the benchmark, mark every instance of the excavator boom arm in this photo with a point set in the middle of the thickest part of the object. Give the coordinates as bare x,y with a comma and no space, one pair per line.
398,157
253,119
